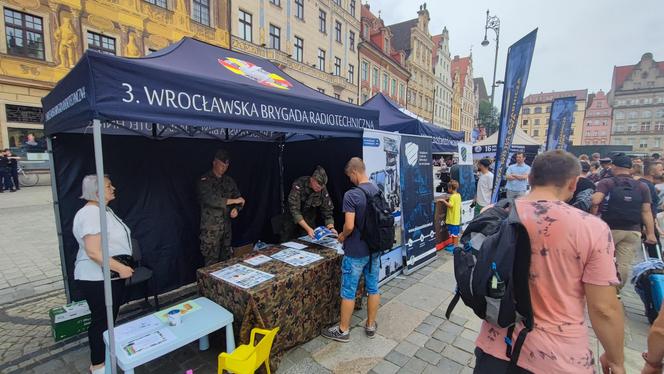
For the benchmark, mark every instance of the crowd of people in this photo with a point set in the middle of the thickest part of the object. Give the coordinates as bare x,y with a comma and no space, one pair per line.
9,171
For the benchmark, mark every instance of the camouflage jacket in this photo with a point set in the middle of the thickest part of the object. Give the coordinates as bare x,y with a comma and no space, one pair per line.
304,201
212,195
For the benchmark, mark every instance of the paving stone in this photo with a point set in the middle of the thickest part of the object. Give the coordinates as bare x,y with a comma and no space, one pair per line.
398,358
457,355
385,367
393,325
425,329
406,348
360,354
307,366
435,345
458,320
315,344
434,321
464,344
451,327
417,338
423,297
445,336
428,355
448,366
415,365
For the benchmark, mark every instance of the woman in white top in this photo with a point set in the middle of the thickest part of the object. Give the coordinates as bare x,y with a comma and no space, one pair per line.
88,272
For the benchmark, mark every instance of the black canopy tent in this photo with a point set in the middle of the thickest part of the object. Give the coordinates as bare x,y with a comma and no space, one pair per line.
181,102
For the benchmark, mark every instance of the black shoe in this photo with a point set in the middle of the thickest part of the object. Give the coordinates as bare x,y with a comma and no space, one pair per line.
335,333
371,331
12,190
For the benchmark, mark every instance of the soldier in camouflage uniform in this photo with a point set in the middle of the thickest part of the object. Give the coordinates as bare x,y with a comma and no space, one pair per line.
308,198
220,201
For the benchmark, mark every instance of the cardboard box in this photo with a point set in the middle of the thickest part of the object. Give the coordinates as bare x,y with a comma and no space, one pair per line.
69,320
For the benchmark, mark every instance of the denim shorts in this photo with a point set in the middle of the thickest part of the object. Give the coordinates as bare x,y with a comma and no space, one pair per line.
351,270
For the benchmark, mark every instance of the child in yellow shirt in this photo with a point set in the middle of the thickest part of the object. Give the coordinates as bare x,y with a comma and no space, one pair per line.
453,217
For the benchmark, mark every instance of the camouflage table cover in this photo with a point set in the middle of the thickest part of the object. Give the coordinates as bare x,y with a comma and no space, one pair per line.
299,300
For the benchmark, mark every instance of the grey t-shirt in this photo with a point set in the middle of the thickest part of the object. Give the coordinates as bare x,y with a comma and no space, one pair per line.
355,201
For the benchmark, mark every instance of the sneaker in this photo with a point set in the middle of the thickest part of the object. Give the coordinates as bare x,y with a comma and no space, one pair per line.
371,331
335,333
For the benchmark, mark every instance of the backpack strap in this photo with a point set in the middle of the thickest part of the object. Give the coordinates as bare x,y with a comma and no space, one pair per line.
516,351
453,303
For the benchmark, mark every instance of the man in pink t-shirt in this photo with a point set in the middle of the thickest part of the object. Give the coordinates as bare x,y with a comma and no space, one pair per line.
572,262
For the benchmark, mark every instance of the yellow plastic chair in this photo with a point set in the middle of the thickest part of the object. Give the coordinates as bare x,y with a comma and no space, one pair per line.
246,358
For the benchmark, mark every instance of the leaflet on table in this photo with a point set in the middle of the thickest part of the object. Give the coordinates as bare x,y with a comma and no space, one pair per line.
148,341
242,276
296,257
137,327
185,307
323,232
294,245
258,260
328,242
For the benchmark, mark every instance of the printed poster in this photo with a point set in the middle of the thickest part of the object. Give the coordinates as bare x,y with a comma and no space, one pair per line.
381,152
419,237
467,185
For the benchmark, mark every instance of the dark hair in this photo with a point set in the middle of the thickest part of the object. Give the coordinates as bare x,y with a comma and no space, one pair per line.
656,156
585,166
520,153
648,164
554,168
453,185
595,165
222,155
485,162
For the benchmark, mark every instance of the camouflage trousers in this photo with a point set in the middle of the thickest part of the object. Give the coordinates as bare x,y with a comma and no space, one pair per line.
216,244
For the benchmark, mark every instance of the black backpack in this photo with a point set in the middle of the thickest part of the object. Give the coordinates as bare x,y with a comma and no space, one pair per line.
378,230
492,267
624,203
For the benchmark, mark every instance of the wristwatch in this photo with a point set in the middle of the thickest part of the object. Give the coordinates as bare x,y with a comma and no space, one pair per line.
657,365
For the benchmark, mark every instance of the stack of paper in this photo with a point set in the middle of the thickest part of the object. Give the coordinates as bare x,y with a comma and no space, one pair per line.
326,242
242,276
296,257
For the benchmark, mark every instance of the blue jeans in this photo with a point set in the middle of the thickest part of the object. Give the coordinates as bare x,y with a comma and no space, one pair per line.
351,270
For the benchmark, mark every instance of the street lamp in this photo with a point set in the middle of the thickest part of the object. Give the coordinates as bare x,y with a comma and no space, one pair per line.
493,23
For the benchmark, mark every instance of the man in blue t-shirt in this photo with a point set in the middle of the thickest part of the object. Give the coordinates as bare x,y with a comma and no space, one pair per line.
517,177
357,257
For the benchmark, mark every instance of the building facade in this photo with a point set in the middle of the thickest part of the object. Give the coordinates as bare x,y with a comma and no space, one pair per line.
597,123
382,69
313,41
637,98
442,111
455,120
536,110
462,71
413,37
43,39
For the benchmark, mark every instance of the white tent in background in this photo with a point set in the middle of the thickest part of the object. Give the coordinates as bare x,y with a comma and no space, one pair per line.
520,138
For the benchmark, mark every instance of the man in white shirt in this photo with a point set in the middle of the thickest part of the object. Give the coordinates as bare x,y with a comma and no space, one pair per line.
484,186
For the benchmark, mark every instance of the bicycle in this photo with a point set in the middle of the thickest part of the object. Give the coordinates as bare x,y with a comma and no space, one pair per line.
27,179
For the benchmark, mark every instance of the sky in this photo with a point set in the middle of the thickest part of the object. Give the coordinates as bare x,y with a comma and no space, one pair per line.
578,41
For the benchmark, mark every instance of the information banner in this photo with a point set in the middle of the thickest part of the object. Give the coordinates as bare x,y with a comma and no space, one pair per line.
419,238
381,153
560,123
467,186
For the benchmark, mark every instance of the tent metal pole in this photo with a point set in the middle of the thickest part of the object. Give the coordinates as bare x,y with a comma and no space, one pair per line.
282,196
106,268
56,214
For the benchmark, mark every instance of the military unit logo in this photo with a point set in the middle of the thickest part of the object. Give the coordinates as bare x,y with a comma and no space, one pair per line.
255,73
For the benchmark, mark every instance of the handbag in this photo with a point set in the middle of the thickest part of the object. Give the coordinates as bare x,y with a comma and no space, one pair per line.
126,260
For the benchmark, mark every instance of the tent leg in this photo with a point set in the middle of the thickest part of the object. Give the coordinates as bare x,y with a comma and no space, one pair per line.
282,193
108,294
58,224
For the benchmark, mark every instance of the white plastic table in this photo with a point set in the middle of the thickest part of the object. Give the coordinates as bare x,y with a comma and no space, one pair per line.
197,325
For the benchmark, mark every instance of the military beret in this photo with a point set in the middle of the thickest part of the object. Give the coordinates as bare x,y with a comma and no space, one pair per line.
222,155
320,175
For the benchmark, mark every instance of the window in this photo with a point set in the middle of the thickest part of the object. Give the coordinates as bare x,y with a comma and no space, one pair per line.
657,142
321,59
337,31
23,114
322,21
350,100
161,3
200,11
275,37
387,45
321,90
101,43
245,26
364,71
25,34
374,77
536,132
299,9
338,2
645,127
337,66
401,88
365,97
299,49
632,115
337,96
538,110
660,113
386,83
352,8
526,110
620,115
646,114
643,143
393,92
351,73
525,122
537,121
275,2
351,40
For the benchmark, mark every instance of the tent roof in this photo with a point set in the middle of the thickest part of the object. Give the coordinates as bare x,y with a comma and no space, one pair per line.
520,138
196,88
395,119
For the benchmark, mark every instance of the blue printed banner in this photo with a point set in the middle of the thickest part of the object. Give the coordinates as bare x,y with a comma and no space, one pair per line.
519,57
560,123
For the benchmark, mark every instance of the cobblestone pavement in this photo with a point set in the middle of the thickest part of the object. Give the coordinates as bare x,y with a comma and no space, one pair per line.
413,337
29,255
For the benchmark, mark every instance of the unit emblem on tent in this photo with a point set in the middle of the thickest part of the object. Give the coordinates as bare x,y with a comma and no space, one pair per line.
255,73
